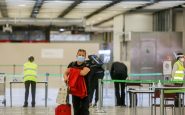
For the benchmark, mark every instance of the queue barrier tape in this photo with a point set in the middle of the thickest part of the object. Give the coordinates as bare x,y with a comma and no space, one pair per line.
126,81
143,81
59,75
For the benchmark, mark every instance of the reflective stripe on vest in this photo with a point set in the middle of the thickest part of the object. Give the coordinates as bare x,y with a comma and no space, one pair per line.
179,73
178,78
30,71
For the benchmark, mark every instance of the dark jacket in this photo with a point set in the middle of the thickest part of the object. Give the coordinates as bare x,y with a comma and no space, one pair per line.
118,71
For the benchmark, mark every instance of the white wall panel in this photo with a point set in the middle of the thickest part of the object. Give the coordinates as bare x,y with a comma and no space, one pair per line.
139,22
179,22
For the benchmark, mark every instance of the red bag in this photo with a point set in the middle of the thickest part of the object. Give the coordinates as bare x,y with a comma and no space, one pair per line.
77,85
64,109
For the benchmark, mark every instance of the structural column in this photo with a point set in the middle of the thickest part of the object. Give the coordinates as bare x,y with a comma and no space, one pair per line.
183,38
117,36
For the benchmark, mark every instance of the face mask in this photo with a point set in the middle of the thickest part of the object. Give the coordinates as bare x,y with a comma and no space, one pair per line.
80,58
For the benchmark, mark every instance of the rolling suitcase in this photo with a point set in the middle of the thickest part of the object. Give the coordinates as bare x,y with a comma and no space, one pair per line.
63,109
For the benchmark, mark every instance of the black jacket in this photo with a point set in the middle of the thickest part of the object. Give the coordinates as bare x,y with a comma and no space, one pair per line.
118,71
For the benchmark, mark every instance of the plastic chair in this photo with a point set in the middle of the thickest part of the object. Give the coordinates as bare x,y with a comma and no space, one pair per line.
167,97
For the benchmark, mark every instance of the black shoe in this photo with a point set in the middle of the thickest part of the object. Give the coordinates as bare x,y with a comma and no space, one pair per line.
33,104
94,105
124,105
25,105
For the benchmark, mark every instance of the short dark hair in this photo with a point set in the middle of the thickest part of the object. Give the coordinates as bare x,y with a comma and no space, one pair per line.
178,55
31,59
81,50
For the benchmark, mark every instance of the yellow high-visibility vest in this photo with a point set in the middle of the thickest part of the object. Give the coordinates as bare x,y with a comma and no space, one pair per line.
30,71
179,73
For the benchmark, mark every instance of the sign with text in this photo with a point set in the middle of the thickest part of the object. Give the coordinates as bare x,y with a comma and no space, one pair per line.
167,67
52,53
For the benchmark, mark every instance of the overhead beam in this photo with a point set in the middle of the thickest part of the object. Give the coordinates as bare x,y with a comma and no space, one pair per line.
129,11
70,8
3,8
106,20
41,22
102,8
36,8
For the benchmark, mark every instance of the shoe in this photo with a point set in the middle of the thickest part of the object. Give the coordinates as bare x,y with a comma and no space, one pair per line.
33,104
25,105
94,105
90,104
124,105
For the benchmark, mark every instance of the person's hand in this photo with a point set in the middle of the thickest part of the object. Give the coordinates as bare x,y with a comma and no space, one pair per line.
66,79
84,71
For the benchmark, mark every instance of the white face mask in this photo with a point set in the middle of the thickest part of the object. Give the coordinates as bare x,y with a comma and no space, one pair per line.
80,58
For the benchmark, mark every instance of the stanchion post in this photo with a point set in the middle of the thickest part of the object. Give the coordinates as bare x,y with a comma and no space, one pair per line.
46,89
106,88
14,69
47,77
100,95
60,71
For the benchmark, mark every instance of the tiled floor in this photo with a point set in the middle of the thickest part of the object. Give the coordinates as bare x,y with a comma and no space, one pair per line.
93,111
108,105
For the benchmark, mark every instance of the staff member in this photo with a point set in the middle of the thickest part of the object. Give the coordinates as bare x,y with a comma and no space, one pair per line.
80,105
30,78
178,68
178,73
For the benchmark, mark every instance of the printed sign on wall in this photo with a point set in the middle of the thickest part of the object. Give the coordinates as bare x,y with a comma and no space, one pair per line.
52,53
167,67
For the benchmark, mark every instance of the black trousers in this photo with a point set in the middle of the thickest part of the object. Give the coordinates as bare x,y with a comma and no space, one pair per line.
80,106
93,86
33,91
93,89
120,93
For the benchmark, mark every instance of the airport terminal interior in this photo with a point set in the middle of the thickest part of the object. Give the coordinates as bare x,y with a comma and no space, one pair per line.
148,36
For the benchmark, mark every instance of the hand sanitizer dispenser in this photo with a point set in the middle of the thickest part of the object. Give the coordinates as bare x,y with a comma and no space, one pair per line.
159,83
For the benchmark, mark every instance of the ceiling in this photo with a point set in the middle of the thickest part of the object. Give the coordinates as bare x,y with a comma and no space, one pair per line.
89,12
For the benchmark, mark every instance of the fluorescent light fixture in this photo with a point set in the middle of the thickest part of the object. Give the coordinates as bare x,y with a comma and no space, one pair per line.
35,11
22,5
62,29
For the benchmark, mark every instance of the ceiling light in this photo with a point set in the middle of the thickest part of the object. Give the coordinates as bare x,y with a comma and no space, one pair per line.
35,10
62,29
22,5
